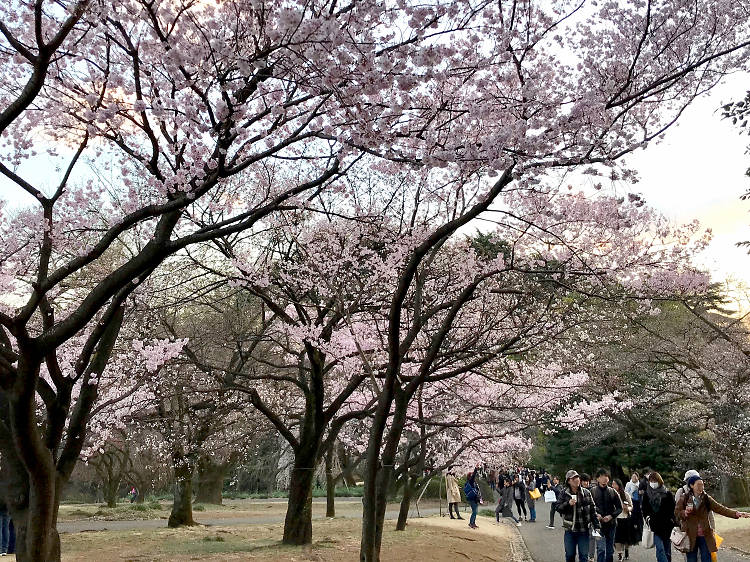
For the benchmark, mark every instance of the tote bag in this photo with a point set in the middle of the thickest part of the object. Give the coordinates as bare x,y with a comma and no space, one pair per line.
647,540
535,494
680,540
550,497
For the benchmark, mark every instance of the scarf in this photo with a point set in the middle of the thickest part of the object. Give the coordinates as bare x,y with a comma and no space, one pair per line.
655,496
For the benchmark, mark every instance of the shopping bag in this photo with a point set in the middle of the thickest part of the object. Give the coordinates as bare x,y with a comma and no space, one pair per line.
680,540
647,540
535,494
719,539
550,497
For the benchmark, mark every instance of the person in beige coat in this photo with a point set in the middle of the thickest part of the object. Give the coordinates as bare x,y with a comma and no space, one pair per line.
453,492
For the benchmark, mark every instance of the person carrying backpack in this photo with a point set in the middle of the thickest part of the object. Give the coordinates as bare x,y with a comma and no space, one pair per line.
473,496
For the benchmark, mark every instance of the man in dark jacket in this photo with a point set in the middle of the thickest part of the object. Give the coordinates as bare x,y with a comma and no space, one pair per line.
578,511
608,507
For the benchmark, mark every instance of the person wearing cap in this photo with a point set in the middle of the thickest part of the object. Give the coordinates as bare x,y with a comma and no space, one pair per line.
684,490
692,511
576,506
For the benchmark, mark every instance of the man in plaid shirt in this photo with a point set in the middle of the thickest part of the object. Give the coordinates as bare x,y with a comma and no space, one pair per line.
576,505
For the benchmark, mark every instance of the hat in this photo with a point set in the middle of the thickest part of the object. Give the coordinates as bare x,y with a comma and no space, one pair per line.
689,473
693,479
570,474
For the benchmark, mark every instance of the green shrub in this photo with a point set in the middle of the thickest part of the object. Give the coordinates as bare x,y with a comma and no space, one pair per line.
199,507
153,504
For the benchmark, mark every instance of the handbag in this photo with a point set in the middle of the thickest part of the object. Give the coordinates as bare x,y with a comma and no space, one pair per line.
535,494
647,540
680,540
550,497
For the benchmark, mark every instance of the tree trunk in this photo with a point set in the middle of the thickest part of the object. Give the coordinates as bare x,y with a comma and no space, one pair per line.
298,522
378,472
210,481
182,507
403,512
330,484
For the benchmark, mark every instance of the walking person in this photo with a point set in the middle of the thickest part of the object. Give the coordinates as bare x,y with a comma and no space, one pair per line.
555,487
519,495
578,511
586,483
505,503
4,528
692,511
531,501
473,496
624,530
658,509
636,517
453,493
608,507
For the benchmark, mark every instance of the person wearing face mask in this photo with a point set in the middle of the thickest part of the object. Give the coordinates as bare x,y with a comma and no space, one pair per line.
692,511
658,509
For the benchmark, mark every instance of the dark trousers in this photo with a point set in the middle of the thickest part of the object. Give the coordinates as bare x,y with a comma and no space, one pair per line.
521,504
605,547
4,532
702,547
451,507
552,511
576,540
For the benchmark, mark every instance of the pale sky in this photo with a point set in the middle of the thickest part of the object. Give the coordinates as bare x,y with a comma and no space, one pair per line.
698,171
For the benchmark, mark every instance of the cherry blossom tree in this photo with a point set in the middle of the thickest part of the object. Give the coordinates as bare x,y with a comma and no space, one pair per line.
178,98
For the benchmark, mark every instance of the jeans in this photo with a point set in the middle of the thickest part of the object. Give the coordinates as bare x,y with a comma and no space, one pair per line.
532,512
605,547
552,515
499,509
579,540
700,545
473,518
663,548
4,532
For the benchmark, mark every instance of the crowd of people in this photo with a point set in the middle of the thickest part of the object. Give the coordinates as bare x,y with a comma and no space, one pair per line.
604,517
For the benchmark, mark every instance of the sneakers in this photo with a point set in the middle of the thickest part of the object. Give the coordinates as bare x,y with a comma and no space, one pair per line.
518,524
550,526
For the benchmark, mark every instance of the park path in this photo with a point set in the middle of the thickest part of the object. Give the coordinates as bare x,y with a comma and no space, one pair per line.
546,545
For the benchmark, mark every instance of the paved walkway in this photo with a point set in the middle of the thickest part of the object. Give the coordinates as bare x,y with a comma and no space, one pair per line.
546,545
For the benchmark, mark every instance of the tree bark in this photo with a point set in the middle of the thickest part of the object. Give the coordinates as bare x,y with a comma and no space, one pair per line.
210,481
298,521
182,507
330,484
378,472
403,512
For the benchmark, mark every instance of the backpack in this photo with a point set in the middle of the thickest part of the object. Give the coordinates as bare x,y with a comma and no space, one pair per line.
471,492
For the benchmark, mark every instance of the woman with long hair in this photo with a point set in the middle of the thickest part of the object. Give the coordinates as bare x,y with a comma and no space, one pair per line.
624,531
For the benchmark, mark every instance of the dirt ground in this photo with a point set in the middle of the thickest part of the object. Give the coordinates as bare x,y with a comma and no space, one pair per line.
735,532
435,539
